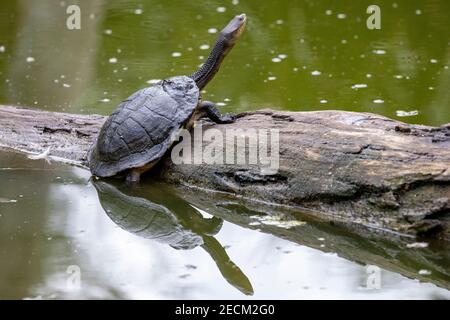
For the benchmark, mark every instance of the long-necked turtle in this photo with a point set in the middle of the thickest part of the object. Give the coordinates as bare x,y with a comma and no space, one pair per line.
138,133
157,213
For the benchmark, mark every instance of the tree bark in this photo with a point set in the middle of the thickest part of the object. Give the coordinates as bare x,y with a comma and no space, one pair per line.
358,169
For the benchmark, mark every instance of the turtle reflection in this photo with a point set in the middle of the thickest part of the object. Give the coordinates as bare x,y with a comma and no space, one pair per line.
153,212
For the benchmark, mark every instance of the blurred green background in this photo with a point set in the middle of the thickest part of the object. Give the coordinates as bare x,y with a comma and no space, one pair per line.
321,50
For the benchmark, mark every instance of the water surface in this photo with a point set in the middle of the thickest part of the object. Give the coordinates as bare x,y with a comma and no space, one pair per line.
295,55
150,243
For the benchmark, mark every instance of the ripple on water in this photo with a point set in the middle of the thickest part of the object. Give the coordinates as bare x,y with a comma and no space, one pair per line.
379,51
359,86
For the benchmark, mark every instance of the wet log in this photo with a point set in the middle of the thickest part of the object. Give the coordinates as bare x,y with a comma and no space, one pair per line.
354,169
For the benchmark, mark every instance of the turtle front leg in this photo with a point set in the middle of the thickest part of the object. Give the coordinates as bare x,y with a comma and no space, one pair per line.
214,114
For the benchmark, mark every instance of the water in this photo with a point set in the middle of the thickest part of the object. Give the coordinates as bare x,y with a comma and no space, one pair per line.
158,241
151,243
294,55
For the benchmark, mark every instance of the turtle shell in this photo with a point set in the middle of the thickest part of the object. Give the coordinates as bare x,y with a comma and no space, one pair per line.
139,131
145,218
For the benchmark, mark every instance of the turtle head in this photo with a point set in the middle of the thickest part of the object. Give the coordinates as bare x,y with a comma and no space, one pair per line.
231,33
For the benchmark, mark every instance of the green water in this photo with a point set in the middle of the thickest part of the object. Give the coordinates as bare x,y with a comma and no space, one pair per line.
158,241
72,70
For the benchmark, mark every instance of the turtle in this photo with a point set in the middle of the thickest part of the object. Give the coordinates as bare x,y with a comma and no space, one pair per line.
157,213
141,130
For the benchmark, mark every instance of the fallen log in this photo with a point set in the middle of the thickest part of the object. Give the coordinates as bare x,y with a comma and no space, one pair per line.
358,169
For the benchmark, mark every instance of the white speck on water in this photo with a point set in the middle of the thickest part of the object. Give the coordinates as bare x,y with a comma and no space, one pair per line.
49,238
227,100
341,16
105,100
378,101
2,49
368,75
359,86
201,57
430,88
316,73
395,5
321,239
276,59
113,60
272,78
119,50
433,61
66,85
329,12
4,200
343,41
417,245
212,30
279,21
323,101
138,11
204,47
295,69
401,113
108,31
221,104
398,76
221,9
153,81
446,67
30,59
56,81
282,56
176,54
424,272
418,12
235,2
379,51
125,68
